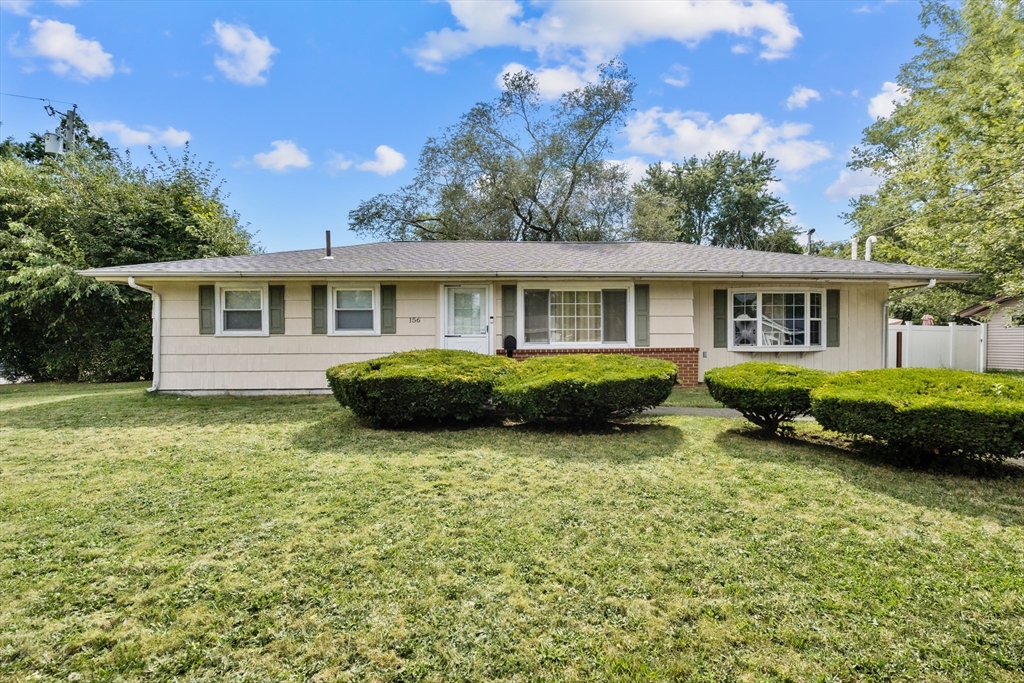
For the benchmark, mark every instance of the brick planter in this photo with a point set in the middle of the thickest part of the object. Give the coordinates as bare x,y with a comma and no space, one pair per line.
685,358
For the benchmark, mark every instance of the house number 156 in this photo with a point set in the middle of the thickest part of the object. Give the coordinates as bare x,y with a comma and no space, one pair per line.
414,320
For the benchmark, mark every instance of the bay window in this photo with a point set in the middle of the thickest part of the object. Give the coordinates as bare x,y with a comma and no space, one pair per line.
776,320
575,316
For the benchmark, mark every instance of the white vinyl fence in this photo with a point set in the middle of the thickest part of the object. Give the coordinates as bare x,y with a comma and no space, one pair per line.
937,346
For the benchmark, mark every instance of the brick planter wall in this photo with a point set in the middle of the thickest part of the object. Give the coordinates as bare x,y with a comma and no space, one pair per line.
685,358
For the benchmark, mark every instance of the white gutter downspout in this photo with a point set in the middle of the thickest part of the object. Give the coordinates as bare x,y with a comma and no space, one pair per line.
885,317
156,330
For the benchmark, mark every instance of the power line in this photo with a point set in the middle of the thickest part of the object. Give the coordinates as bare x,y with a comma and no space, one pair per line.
946,205
41,99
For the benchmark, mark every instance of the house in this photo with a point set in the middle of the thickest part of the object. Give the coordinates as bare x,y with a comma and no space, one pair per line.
273,323
1004,345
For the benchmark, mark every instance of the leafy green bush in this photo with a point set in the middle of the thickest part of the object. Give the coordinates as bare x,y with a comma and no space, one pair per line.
925,414
584,388
768,394
417,386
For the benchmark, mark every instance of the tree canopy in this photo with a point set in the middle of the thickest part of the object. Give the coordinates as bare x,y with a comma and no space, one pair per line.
89,209
722,200
951,158
516,169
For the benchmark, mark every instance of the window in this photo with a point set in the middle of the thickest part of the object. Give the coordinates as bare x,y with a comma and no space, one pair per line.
570,316
242,311
353,310
776,320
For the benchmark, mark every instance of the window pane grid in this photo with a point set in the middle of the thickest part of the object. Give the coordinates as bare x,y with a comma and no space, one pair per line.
776,319
243,310
575,316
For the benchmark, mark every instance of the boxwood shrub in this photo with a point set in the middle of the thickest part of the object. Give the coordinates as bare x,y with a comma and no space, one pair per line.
417,386
584,388
767,394
926,414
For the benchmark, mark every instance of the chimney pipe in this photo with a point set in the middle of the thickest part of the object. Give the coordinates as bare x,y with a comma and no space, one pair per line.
809,240
328,255
867,247
853,249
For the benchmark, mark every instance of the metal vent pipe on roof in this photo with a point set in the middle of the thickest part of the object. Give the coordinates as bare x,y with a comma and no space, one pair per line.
328,254
853,249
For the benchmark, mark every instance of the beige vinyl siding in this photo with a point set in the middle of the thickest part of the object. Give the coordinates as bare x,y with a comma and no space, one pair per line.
295,360
671,313
860,329
1005,345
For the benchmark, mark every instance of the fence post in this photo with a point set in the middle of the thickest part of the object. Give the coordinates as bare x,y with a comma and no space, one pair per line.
983,351
952,345
905,360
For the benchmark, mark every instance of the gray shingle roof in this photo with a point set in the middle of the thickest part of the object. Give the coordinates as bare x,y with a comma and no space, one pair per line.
519,259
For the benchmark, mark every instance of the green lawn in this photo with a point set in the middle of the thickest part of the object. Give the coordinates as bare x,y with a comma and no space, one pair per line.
692,397
159,538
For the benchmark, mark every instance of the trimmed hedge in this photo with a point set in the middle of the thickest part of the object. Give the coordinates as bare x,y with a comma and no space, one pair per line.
925,414
417,386
584,388
767,394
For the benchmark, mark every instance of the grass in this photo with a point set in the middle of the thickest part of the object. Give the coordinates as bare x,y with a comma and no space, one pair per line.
161,538
692,397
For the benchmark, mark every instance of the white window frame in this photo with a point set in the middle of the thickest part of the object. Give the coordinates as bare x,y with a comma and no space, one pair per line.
332,302
576,286
263,288
760,291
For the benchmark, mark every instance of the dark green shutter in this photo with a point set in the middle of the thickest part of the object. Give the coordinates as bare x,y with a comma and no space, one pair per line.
642,294
832,317
508,311
721,318
207,310
388,308
319,309
276,309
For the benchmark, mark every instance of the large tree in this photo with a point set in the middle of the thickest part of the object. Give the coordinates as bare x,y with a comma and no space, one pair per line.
516,169
723,200
951,157
88,209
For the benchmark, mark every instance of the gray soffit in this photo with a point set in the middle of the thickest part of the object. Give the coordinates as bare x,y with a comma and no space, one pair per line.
530,259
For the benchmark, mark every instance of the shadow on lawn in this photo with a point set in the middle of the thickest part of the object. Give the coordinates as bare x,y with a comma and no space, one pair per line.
627,442
998,493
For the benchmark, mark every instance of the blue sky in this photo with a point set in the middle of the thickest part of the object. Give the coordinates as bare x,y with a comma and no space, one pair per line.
308,108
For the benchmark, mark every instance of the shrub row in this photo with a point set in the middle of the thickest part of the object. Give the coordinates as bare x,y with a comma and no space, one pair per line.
439,386
918,414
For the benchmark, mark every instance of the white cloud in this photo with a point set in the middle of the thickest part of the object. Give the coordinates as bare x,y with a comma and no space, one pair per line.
66,3
69,53
678,76
634,166
553,82
852,184
740,49
285,155
884,103
19,7
387,161
338,162
246,56
591,32
128,137
677,135
801,97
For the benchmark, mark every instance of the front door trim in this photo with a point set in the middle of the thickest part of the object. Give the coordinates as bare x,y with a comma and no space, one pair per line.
442,316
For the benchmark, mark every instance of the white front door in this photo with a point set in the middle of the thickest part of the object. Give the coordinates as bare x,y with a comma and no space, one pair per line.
467,316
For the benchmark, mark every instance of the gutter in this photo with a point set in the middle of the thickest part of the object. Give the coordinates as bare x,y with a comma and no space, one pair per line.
156,330
885,316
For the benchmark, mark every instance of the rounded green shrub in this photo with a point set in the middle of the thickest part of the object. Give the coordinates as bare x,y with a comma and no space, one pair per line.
767,394
584,388
924,414
417,386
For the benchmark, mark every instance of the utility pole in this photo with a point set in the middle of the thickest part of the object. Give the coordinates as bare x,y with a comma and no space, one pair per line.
69,126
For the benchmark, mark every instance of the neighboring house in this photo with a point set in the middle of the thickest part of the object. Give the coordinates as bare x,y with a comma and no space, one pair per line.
1004,347
273,323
